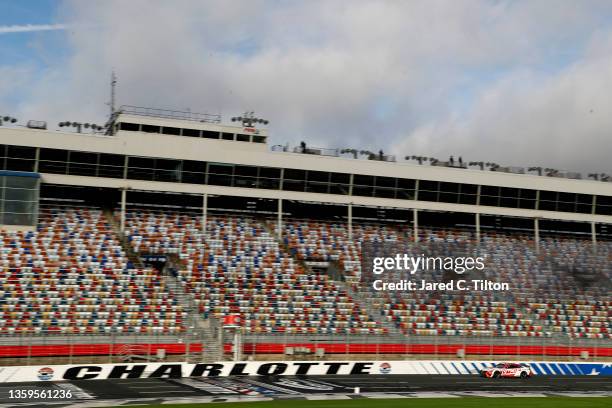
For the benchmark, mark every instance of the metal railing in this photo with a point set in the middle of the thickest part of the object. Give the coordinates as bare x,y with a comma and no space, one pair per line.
319,151
401,347
79,349
170,114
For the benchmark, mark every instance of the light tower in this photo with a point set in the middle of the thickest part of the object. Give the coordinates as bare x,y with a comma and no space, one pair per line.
79,126
7,119
249,120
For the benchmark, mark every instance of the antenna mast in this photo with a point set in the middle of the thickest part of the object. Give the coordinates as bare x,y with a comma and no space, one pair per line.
112,95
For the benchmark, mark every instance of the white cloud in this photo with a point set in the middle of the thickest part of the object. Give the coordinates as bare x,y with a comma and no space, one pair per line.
554,120
509,80
27,28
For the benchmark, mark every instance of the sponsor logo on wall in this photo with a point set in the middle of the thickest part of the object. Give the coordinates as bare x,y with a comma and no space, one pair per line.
45,374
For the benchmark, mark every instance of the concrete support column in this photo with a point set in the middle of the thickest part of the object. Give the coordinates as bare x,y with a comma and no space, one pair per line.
237,345
594,234
477,215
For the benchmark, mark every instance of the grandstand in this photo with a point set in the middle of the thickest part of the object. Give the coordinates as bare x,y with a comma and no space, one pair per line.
141,242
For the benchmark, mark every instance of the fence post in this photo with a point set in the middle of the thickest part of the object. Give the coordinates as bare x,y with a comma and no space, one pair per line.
286,339
346,344
407,347
111,353
71,348
436,347
29,349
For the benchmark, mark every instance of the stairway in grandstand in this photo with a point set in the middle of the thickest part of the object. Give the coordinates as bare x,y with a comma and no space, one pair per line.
372,304
129,252
196,327
337,276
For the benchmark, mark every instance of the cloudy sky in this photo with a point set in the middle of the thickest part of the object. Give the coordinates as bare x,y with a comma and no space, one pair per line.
516,82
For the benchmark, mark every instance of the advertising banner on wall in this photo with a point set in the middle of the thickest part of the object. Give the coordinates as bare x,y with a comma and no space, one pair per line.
266,368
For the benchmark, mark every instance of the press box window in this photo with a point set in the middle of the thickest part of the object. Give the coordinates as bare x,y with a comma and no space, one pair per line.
207,134
295,174
342,178
20,158
242,138
111,165
84,157
53,161
385,181
269,172
130,127
320,176
150,129
362,180
171,131
269,177
193,172
21,152
406,184
191,132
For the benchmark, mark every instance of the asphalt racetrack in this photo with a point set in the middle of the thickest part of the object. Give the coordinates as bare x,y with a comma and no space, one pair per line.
217,389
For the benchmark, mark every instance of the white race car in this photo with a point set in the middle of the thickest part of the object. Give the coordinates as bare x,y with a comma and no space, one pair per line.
509,370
